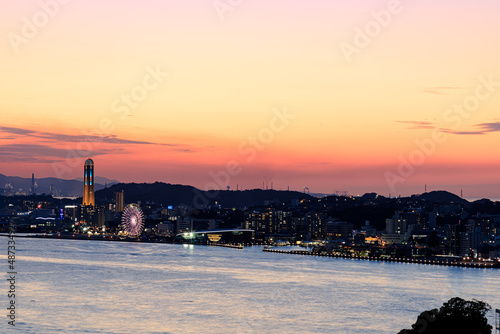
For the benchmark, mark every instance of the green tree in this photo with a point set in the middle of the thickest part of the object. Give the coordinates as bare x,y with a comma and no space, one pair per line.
455,316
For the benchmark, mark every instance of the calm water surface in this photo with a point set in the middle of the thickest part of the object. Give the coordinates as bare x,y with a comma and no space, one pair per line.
72,286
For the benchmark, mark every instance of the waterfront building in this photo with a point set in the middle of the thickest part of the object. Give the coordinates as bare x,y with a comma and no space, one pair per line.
232,236
336,229
192,224
166,229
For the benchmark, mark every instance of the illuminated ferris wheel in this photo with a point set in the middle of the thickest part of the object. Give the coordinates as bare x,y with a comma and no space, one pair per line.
132,220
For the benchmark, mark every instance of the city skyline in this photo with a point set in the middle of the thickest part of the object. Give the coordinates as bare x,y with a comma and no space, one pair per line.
329,96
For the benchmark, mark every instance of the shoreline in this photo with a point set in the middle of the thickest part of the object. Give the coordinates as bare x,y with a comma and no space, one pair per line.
426,261
104,238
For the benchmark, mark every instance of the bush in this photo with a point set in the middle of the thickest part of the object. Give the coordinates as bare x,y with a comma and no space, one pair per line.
455,316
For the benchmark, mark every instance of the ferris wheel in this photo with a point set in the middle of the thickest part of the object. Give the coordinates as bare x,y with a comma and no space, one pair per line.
132,220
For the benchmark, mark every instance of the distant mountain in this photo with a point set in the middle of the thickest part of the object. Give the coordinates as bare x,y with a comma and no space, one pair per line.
175,194
441,196
60,187
370,196
319,195
100,180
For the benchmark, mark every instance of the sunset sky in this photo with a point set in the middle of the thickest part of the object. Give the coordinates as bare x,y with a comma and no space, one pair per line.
325,94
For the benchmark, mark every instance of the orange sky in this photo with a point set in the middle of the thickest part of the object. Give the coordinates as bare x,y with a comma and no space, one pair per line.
172,91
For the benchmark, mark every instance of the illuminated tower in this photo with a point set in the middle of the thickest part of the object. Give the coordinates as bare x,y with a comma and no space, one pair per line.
88,183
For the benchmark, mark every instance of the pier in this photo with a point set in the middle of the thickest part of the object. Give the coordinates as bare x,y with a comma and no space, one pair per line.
427,261
225,245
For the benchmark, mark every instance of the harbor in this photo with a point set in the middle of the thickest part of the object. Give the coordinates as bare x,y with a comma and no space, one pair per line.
426,261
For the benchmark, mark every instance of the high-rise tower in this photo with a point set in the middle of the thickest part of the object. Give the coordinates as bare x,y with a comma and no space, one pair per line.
119,202
88,183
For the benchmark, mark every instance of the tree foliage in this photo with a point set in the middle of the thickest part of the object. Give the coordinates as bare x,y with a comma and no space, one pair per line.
455,316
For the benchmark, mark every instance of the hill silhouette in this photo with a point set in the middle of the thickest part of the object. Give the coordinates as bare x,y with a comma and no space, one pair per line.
60,187
176,194
441,196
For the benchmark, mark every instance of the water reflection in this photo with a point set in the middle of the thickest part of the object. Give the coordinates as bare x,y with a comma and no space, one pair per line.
115,287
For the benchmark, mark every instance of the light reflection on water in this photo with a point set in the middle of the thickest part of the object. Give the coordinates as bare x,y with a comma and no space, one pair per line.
72,286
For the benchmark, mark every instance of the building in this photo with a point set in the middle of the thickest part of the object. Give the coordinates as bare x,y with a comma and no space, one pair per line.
184,225
368,230
269,222
72,212
234,236
336,229
33,183
119,201
100,217
166,229
463,244
88,183
192,224
393,238
316,225
397,230
396,225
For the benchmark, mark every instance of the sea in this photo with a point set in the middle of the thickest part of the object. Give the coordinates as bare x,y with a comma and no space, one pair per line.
84,286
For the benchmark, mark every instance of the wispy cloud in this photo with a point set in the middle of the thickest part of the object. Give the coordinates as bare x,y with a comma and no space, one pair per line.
16,131
462,132
62,138
51,147
36,153
477,129
418,124
440,90
111,139
489,127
